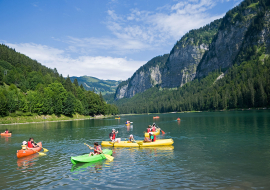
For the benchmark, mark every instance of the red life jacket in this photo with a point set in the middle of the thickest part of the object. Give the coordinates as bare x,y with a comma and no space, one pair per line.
6,132
154,129
97,148
148,130
29,144
113,136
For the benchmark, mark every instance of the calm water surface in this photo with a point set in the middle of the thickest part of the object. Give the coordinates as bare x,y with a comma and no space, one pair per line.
211,150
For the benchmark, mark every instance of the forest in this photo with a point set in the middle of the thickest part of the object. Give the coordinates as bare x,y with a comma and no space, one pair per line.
27,87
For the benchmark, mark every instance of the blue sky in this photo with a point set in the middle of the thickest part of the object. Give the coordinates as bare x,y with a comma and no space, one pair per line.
108,39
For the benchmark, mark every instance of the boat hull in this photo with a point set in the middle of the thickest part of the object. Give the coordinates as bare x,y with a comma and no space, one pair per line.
161,142
23,153
87,158
6,134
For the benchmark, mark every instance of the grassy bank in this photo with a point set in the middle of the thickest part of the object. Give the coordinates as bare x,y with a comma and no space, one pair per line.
44,118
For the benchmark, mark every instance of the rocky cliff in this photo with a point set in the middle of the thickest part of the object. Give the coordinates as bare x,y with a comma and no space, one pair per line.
227,43
216,46
174,69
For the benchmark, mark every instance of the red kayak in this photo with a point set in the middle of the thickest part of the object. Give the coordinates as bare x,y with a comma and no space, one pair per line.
23,153
6,134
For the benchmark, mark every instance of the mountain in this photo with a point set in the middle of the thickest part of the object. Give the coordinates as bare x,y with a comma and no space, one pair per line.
174,69
98,85
230,71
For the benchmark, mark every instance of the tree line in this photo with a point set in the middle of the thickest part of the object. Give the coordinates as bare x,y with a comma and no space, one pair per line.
28,87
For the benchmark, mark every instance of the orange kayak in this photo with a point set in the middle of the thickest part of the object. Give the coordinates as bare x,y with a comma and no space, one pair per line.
23,153
6,134
156,117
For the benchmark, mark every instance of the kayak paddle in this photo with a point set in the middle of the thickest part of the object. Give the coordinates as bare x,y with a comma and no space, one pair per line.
110,158
44,149
40,153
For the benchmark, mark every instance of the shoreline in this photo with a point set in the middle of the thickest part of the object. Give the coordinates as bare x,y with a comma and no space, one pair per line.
54,119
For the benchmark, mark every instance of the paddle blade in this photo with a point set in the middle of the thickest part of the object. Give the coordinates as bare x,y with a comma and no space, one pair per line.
45,150
41,153
163,132
110,158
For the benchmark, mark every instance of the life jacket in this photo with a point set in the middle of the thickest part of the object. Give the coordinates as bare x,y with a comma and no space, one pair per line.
113,136
148,130
97,148
29,144
154,138
6,132
153,129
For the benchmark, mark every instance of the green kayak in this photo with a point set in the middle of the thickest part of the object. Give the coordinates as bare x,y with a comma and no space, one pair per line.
87,158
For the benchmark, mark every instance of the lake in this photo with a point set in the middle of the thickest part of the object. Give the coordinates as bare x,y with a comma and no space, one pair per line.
211,150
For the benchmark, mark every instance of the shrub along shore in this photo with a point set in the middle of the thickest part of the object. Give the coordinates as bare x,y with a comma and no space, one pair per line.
45,118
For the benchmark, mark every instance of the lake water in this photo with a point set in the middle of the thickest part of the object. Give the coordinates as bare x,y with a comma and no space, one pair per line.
211,150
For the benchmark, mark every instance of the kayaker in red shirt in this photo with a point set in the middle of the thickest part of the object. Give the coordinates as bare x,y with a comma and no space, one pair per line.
97,149
6,131
148,129
112,136
31,143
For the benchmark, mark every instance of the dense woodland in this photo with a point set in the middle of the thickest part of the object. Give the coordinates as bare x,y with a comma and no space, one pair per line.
27,87
246,83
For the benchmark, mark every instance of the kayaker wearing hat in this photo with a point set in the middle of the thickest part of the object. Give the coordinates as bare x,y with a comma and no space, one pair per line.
112,136
131,139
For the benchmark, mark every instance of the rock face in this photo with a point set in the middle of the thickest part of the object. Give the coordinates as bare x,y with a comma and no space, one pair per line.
174,69
144,78
182,64
226,45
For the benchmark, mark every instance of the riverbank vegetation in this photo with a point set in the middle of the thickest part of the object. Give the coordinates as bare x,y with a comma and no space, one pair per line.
28,88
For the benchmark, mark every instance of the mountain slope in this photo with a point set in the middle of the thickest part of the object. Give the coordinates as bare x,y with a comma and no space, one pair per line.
98,85
174,69
233,73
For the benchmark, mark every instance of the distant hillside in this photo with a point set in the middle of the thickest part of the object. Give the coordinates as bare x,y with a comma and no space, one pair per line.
92,83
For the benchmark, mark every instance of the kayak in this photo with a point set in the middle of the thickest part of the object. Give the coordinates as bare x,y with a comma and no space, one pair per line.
127,124
6,134
23,153
155,133
156,117
87,158
178,119
161,142
117,118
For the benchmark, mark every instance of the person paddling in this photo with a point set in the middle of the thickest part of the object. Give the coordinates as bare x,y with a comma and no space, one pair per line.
154,127
31,143
131,139
152,136
6,131
97,149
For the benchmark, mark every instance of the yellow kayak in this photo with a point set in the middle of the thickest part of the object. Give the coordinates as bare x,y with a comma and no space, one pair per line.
117,118
155,133
161,142
127,124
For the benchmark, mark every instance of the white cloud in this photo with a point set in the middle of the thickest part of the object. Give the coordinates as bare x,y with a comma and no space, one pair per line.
141,30
100,67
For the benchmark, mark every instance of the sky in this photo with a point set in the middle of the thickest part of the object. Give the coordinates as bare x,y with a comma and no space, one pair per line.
107,39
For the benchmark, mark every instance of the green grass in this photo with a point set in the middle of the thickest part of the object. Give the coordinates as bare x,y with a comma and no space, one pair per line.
253,5
43,118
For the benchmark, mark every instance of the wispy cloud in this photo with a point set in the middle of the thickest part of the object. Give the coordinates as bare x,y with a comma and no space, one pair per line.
141,30
98,66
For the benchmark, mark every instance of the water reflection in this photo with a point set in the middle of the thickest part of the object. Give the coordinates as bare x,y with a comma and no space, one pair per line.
27,162
7,138
92,167
129,127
